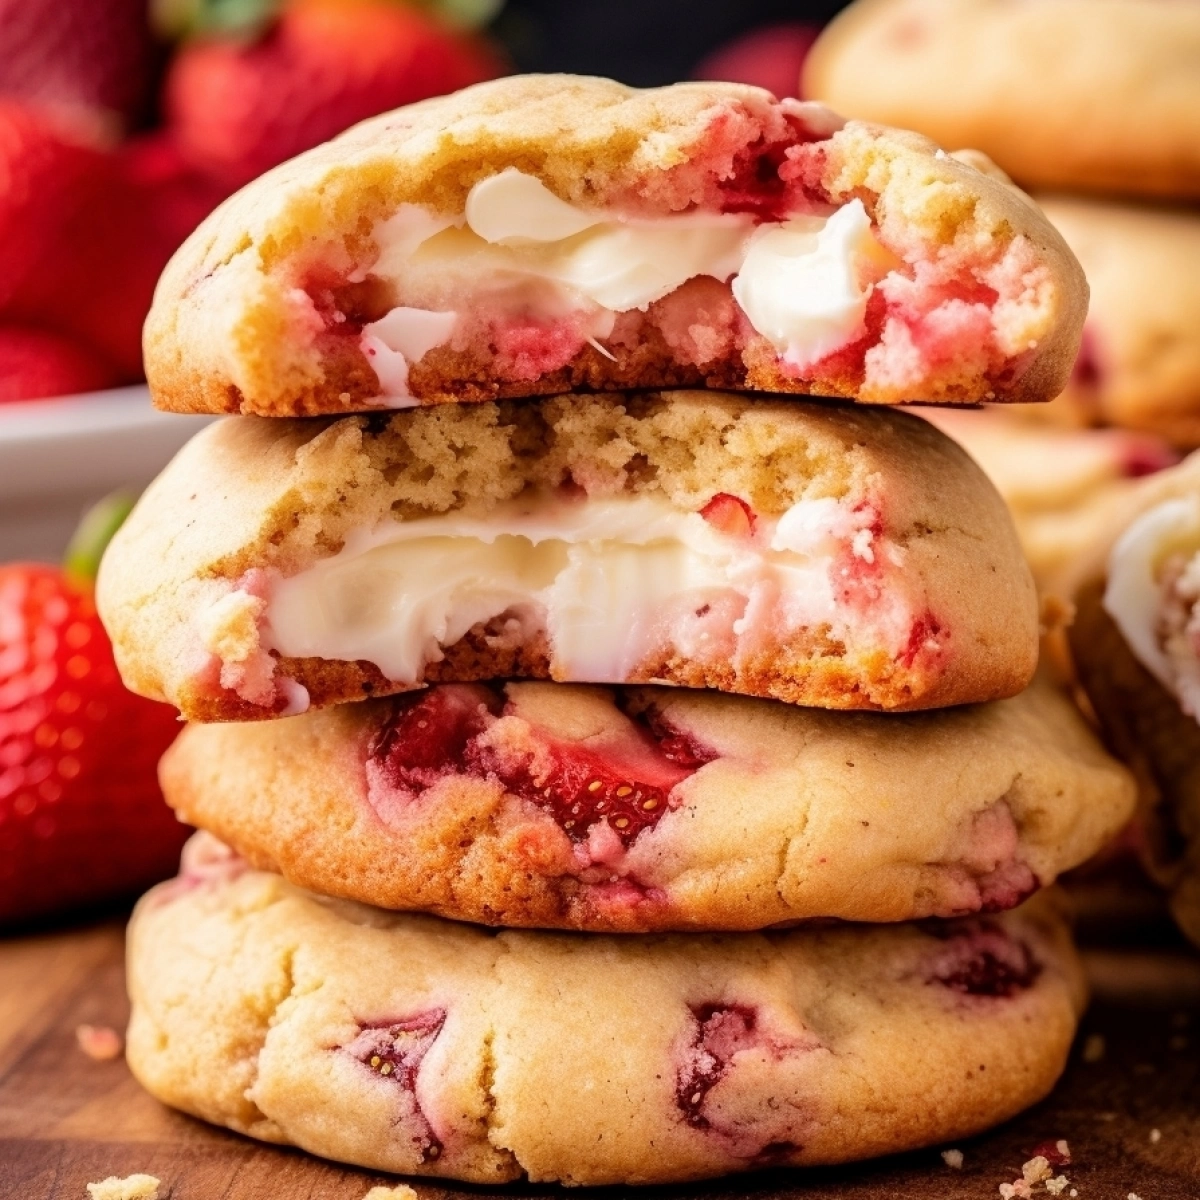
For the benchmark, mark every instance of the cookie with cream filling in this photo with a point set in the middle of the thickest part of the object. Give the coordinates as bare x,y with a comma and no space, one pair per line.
1137,652
545,234
835,556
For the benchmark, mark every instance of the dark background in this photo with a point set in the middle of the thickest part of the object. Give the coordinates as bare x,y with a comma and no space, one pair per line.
640,42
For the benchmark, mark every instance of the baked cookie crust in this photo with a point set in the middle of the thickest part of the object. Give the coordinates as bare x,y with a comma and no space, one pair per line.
425,1047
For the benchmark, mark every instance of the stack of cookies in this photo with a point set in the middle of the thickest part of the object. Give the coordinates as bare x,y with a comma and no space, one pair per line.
1094,104
490,899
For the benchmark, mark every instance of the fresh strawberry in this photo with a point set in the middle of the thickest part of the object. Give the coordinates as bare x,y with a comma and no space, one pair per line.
729,515
35,363
85,233
81,817
93,59
240,107
51,176
770,57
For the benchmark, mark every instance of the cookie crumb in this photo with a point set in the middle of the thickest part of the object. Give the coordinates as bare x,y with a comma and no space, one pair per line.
1073,1192
400,1192
1057,1185
132,1187
953,1158
1036,1170
1093,1048
99,1042
1155,1136
1134,1196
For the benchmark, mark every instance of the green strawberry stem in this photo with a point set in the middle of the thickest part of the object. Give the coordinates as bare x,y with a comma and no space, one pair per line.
94,532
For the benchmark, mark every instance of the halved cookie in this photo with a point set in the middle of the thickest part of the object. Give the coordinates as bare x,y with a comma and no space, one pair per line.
1137,651
835,556
428,1047
544,234
563,806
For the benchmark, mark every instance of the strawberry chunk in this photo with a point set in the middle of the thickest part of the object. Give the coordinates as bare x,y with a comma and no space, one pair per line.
730,515
427,737
676,745
579,788
985,961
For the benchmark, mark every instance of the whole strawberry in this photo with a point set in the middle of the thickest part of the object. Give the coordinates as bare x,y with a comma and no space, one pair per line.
81,817
239,107
35,363
85,231
93,59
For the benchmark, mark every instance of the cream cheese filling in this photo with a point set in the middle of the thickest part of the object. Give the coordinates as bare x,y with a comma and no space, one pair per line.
1153,594
521,251
610,582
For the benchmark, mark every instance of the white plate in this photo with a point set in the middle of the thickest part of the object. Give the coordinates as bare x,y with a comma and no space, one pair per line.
58,456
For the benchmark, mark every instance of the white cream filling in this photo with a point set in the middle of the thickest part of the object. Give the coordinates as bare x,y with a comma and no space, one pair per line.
522,251
609,581
1134,594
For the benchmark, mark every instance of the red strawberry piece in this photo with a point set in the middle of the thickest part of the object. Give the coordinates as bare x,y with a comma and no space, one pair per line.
35,363
427,735
240,107
627,785
395,1050
722,1030
82,820
770,57
91,58
983,960
1056,1152
676,745
438,733
730,515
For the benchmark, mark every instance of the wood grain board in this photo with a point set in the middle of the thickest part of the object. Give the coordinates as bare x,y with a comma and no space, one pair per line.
66,1119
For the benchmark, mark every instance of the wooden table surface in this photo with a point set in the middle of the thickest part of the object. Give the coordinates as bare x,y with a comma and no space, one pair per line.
66,1119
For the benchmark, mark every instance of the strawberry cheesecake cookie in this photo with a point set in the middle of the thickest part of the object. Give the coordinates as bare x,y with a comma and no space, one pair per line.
1064,487
564,806
1139,365
425,1047
546,234
829,555
1097,95
1136,644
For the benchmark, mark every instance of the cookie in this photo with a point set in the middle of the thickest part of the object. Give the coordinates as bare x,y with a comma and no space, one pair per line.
1139,367
837,556
1064,487
1090,95
1135,651
425,1047
563,806
546,233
